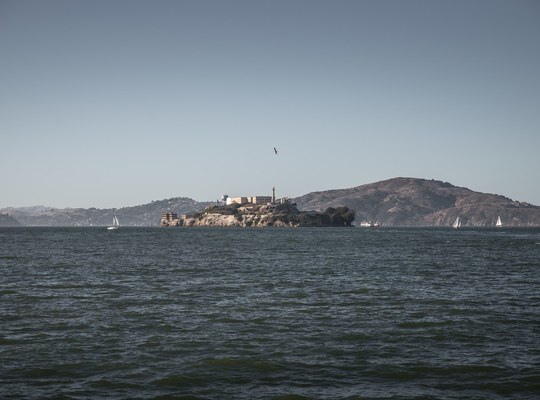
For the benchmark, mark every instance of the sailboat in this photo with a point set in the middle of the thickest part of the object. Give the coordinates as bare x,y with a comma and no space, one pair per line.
457,223
499,223
115,224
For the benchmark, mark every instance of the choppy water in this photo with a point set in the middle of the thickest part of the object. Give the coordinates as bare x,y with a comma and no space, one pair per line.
269,313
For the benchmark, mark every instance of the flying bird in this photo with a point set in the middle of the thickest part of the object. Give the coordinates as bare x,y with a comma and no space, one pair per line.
275,151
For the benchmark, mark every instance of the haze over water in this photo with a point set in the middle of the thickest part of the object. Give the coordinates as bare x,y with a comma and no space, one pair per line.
269,313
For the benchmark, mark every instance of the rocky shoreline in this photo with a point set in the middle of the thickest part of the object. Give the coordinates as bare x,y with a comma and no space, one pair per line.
267,215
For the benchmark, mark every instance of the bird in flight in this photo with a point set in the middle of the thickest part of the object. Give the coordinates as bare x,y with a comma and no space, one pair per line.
275,151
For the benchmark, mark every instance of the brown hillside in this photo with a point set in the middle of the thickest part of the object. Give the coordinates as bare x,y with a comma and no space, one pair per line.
421,202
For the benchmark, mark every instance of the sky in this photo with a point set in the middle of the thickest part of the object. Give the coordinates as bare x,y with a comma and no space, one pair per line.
117,103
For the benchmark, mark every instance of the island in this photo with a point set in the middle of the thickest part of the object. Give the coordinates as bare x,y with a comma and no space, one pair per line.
261,215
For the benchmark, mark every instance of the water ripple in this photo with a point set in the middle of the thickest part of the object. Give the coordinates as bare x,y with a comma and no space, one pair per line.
273,313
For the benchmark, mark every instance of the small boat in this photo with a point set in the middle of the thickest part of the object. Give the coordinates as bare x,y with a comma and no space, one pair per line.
457,223
499,223
369,224
115,224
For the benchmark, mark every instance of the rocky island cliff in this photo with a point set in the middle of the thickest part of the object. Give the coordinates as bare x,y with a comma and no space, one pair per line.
263,215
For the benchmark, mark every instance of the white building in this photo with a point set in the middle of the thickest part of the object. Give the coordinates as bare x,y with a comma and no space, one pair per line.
252,199
249,200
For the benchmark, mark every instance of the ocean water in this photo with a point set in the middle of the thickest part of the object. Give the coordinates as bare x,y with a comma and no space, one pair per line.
319,313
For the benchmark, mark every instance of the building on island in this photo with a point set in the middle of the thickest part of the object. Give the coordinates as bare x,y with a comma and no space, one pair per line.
168,216
252,199
243,207
249,200
169,219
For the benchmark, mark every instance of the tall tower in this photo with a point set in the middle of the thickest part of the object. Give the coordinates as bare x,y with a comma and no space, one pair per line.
273,195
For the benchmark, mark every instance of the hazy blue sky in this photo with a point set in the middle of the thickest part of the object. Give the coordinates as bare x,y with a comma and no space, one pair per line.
116,103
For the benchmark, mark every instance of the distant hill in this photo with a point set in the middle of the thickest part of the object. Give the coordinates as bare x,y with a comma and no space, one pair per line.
393,202
142,215
8,220
420,202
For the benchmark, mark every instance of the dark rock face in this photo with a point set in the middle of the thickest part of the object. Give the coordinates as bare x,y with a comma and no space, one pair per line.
420,202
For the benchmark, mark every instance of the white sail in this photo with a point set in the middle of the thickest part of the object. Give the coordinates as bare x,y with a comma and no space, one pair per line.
115,223
457,223
499,222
